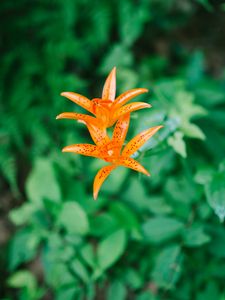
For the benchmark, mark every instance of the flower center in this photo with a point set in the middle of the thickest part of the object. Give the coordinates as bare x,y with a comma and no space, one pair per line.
110,152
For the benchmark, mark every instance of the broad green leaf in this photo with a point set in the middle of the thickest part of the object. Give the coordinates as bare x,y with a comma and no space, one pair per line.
115,180
161,229
73,218
133,278
168,267
22,279
181,105
103,224
23,247
110,249
181,190
116,291
124,215
215,192
56,255
42,182
159,206
195,236
176,141
185,106
26,282
87,253
134,188
58,275
79,268
204,175
192,130
22,215
67,293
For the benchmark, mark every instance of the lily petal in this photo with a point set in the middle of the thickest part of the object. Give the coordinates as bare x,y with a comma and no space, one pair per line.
120,131
98,134
132,164
109,89
84,149
128,108
101,176
126,96
79,99
139,140
79,117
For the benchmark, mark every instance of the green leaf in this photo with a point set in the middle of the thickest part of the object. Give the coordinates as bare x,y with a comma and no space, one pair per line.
133,279
215,192
116,180
192,130
110,249
79,268
117,291
87,253
124,215
103,224
42,182
23,247
73,218
168,267
159,206
67,293
204,175
22,215
176,141
161,229
22,279
195,236
25,281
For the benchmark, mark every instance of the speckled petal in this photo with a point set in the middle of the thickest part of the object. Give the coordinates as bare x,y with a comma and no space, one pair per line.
132,164
129,108
139,140
120,131
98,134
79,117
109,89
84,149
128,95
101,176
79,99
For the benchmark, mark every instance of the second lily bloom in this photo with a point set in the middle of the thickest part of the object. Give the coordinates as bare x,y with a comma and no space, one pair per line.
111,151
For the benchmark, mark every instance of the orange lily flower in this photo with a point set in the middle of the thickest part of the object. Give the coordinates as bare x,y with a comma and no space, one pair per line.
111,151
107,110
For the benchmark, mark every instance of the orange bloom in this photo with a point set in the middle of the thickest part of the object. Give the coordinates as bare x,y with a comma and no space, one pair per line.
107,110
111,151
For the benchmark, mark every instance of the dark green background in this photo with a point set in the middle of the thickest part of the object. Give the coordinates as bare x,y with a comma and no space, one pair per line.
145,238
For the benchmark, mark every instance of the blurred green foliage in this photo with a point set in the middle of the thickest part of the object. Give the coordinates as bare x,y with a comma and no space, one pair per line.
144,239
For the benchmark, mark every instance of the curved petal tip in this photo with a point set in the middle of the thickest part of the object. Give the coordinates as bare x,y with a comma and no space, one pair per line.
64,94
